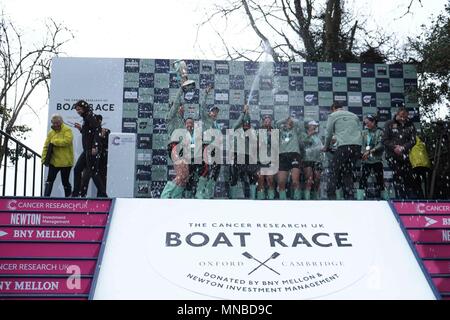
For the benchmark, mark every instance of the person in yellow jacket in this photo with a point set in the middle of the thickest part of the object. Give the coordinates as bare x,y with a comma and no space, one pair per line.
60,142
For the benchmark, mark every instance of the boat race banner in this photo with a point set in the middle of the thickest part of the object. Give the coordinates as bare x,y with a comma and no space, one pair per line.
176,249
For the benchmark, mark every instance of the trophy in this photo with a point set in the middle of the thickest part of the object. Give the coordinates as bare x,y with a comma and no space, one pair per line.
182,70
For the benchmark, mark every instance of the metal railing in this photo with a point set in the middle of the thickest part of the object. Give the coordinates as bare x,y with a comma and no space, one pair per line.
17,160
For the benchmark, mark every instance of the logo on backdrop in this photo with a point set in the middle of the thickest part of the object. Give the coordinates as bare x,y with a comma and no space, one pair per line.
257,259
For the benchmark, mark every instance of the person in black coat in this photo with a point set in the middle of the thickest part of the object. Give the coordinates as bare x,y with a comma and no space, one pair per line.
398,138
89,158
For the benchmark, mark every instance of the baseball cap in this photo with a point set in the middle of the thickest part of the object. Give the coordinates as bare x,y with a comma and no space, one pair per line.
313,123
371,117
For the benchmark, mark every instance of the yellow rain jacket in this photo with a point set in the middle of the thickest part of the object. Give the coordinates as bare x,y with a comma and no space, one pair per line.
62,141
418,156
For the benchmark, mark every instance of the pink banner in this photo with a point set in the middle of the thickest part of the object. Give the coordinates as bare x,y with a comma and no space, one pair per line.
41,298
51,234
433,251
44,285
426,221
49,205
422,207
437,267
47,267
434,236
49,250
53,219
442,284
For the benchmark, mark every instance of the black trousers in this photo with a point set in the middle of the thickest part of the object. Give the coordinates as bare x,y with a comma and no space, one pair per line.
210,171
91,164
247,173
377,169
404,181
345,160
52,173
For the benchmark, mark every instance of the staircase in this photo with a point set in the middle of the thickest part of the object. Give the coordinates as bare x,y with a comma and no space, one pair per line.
428,225
49,248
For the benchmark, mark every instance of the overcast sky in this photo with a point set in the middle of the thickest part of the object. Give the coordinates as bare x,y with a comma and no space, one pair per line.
166,29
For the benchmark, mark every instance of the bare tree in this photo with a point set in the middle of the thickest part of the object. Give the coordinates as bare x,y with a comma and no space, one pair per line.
24,68
304,30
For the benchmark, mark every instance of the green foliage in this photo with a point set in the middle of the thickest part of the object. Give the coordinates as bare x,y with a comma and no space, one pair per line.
432,48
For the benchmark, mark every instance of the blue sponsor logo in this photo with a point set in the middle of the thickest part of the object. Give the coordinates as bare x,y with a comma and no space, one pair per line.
310,69
193,66
161,95
237,82
311,99
251,68
368,70
383,85
382,71
325,84
339,69
162,66
354,84
281,68
296,83
131,65
206,80
146,80
396,71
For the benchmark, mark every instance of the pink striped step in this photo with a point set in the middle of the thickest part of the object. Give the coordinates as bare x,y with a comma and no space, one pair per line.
43,286
54,205
442,284
433,251
426,221
51,234
46,267
422,207
53,219
437,266
49,250
436,236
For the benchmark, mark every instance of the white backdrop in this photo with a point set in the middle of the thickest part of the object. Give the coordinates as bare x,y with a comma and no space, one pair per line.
100,83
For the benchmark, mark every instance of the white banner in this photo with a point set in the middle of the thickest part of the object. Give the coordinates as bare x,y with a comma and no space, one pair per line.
98,81
169,249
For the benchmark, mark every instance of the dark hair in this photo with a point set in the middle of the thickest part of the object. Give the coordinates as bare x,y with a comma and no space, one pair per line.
402,109
335,105
82,104
372,118
99,117
188,118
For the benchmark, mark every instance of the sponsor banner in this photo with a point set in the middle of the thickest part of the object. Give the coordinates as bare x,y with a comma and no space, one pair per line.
241,250
53,219
437,267
44,286
51,234
422,207
443,284
46,297
47,267
49,250
433,251
438,236
47,205
426,221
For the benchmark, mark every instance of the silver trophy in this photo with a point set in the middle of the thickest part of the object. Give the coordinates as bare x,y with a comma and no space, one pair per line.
182,70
